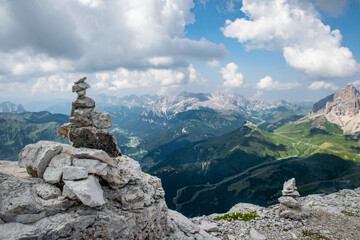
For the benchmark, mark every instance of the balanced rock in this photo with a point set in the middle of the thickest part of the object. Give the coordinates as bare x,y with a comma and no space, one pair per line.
91,137
82,117
88,128
80,87
83,102
80,80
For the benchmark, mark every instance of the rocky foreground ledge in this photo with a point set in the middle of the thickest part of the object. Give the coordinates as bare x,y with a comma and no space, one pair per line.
30,208
85,194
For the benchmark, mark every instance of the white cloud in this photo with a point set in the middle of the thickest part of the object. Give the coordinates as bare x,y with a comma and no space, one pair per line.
356,83
213,63
54,83
42,38
268,84
317,85
162,79
294,28
232,77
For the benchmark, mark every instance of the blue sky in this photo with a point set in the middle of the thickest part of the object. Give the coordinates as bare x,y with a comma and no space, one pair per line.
276,49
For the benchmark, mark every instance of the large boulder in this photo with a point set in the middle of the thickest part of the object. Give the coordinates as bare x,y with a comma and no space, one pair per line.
91,137
94,154
88,191
54,171
36,157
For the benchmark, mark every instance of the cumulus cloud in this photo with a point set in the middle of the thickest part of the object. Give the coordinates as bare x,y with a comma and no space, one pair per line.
231,75
317,85
43,37
213,63
268,84
163,79
54,83
293,27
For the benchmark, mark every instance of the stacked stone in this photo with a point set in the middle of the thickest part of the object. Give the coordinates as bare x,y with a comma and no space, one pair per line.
290,206
88,128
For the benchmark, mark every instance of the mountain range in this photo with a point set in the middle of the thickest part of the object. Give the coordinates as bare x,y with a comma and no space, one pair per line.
19,129
213,150
11,107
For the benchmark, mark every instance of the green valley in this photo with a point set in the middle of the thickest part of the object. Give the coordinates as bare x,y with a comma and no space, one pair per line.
249,165
18,130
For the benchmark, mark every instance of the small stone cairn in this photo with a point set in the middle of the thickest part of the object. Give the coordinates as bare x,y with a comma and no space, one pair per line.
290,206
88,128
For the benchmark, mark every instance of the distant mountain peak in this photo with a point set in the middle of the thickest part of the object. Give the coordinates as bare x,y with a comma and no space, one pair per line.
341,108
11,107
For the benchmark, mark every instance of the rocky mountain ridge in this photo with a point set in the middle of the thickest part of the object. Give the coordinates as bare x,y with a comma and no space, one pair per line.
169,106
11,107
341,108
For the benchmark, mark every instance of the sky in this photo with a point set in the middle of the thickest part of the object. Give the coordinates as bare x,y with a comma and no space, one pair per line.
294,50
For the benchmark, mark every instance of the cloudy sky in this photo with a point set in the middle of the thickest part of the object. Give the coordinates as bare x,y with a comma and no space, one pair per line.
277,49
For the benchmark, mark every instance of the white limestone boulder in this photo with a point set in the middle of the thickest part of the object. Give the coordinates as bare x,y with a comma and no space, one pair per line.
54,171
127,170
93,166
88,191
94,154
74,173
36,157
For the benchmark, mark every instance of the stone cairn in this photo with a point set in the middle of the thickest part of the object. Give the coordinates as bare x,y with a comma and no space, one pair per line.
88,128
86,190
290,206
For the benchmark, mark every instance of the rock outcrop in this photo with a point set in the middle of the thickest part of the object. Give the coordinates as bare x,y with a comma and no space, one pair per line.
333,216
341,108
87,190
88,127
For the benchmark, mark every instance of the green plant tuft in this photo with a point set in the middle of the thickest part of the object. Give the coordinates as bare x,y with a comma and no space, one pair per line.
239,216
314,235
351,214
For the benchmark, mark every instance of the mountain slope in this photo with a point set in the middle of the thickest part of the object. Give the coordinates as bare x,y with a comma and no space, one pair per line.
11,107
18,130
208,171
149,128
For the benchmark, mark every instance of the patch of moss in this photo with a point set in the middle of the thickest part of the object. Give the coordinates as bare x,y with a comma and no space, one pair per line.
319,205
314,235
239,216
351,214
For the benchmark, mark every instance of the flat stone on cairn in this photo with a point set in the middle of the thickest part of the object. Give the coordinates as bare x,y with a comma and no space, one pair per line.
88,128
